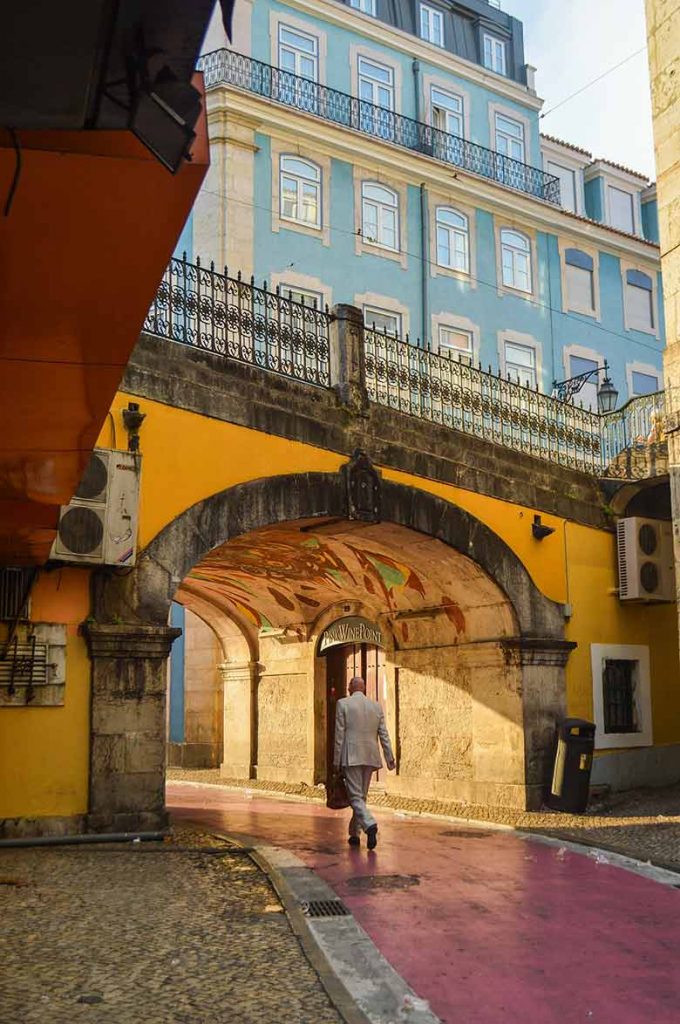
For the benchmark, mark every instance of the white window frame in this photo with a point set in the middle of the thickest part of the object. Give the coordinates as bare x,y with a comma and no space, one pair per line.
382,303
289,280
375,83
382,208
516,252
525,341
365,6
495,47
630,195
431,24
300,181
454,233
581,352
465,356
599,653
627,319
514,370
634,324
299,53
371,310
560,171
502,135
458,115
301,27
312,299
648,370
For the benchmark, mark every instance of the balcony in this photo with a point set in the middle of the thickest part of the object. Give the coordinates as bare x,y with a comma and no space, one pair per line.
224,67
198,306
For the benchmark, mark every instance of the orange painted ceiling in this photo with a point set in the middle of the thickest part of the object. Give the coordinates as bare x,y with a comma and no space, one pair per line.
91,228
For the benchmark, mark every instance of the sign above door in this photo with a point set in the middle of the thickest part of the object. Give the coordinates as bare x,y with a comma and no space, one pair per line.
351,630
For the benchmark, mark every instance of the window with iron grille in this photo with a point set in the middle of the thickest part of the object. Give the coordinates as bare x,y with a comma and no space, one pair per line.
619,705
13,593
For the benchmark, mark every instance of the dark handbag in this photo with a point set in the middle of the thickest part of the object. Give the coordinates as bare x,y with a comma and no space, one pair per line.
336,793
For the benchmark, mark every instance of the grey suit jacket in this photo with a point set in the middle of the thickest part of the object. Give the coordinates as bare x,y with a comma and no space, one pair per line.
359,724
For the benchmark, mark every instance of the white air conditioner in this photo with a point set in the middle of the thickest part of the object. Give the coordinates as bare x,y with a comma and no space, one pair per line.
645,558
99,526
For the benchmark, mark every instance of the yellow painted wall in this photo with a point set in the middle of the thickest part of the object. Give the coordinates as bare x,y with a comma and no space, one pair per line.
188,457
44,751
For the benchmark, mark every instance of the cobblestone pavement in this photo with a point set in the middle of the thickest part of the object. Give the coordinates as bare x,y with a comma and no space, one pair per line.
644,824
187,932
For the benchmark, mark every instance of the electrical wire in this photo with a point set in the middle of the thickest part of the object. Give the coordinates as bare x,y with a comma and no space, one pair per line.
486,284
592,82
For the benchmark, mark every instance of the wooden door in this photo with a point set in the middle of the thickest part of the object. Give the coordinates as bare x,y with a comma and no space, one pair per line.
342,664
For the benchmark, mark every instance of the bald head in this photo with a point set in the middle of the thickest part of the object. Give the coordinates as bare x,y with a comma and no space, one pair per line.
357,684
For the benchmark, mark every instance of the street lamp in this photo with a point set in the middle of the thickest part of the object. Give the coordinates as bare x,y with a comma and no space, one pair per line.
607,395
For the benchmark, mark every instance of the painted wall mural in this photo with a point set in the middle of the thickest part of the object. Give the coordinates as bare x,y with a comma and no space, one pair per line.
287,575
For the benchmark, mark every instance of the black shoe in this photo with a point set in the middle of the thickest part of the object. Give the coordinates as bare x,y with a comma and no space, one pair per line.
372,836
354,841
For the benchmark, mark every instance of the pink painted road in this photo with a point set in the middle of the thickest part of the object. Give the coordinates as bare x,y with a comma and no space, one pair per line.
489,927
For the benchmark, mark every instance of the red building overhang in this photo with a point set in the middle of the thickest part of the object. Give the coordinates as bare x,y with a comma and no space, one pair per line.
92,224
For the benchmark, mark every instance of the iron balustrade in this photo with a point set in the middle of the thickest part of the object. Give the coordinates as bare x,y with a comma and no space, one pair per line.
466,398
215,312
198,306
225,67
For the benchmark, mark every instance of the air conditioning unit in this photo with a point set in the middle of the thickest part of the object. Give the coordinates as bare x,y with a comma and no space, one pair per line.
645,559
99,526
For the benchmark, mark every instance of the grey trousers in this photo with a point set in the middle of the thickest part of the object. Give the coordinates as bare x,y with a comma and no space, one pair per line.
357,780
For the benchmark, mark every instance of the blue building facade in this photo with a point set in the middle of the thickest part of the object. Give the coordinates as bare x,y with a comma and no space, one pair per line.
388,155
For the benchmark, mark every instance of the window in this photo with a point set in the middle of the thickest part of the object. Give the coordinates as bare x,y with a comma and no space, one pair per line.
309,299
494,54
376,95
567,179
621,210
644,383
298,53
520,363
618,686
509,137
621,695
300,191
516,260
431,25
382,320
639,301
587,396
376,83
580,281
447,112
380,216
452,240
456,344
366,6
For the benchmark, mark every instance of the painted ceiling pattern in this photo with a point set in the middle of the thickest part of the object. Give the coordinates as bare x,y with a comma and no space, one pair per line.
281,575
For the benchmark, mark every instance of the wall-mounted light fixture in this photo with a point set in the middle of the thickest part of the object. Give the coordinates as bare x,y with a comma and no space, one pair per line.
540,530
132,421
607,395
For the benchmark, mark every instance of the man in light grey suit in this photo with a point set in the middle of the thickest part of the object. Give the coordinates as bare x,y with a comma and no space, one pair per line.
359,724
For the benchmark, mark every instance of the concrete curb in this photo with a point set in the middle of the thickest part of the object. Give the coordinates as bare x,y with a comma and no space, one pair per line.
360,983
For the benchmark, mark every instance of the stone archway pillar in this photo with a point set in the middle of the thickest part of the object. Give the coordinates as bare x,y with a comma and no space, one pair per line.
239,681
544,694
127,741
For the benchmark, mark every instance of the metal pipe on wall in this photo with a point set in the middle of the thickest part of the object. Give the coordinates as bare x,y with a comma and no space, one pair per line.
424,296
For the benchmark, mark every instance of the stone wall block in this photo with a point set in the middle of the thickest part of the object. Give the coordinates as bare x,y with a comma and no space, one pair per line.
348,364
127,751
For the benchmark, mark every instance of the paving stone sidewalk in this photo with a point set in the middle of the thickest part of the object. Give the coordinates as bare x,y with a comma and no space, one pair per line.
182,932
644,823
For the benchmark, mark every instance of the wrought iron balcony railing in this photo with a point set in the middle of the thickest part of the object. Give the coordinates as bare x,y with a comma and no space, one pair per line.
215,312
231,317
224,67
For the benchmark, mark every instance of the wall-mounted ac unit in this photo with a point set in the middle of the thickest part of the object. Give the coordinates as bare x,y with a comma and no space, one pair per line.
99,526
645,559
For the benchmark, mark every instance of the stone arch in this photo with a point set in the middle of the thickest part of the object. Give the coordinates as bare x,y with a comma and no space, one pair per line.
129,638
144,595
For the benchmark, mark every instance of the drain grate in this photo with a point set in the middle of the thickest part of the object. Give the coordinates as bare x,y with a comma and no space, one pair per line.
324,908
